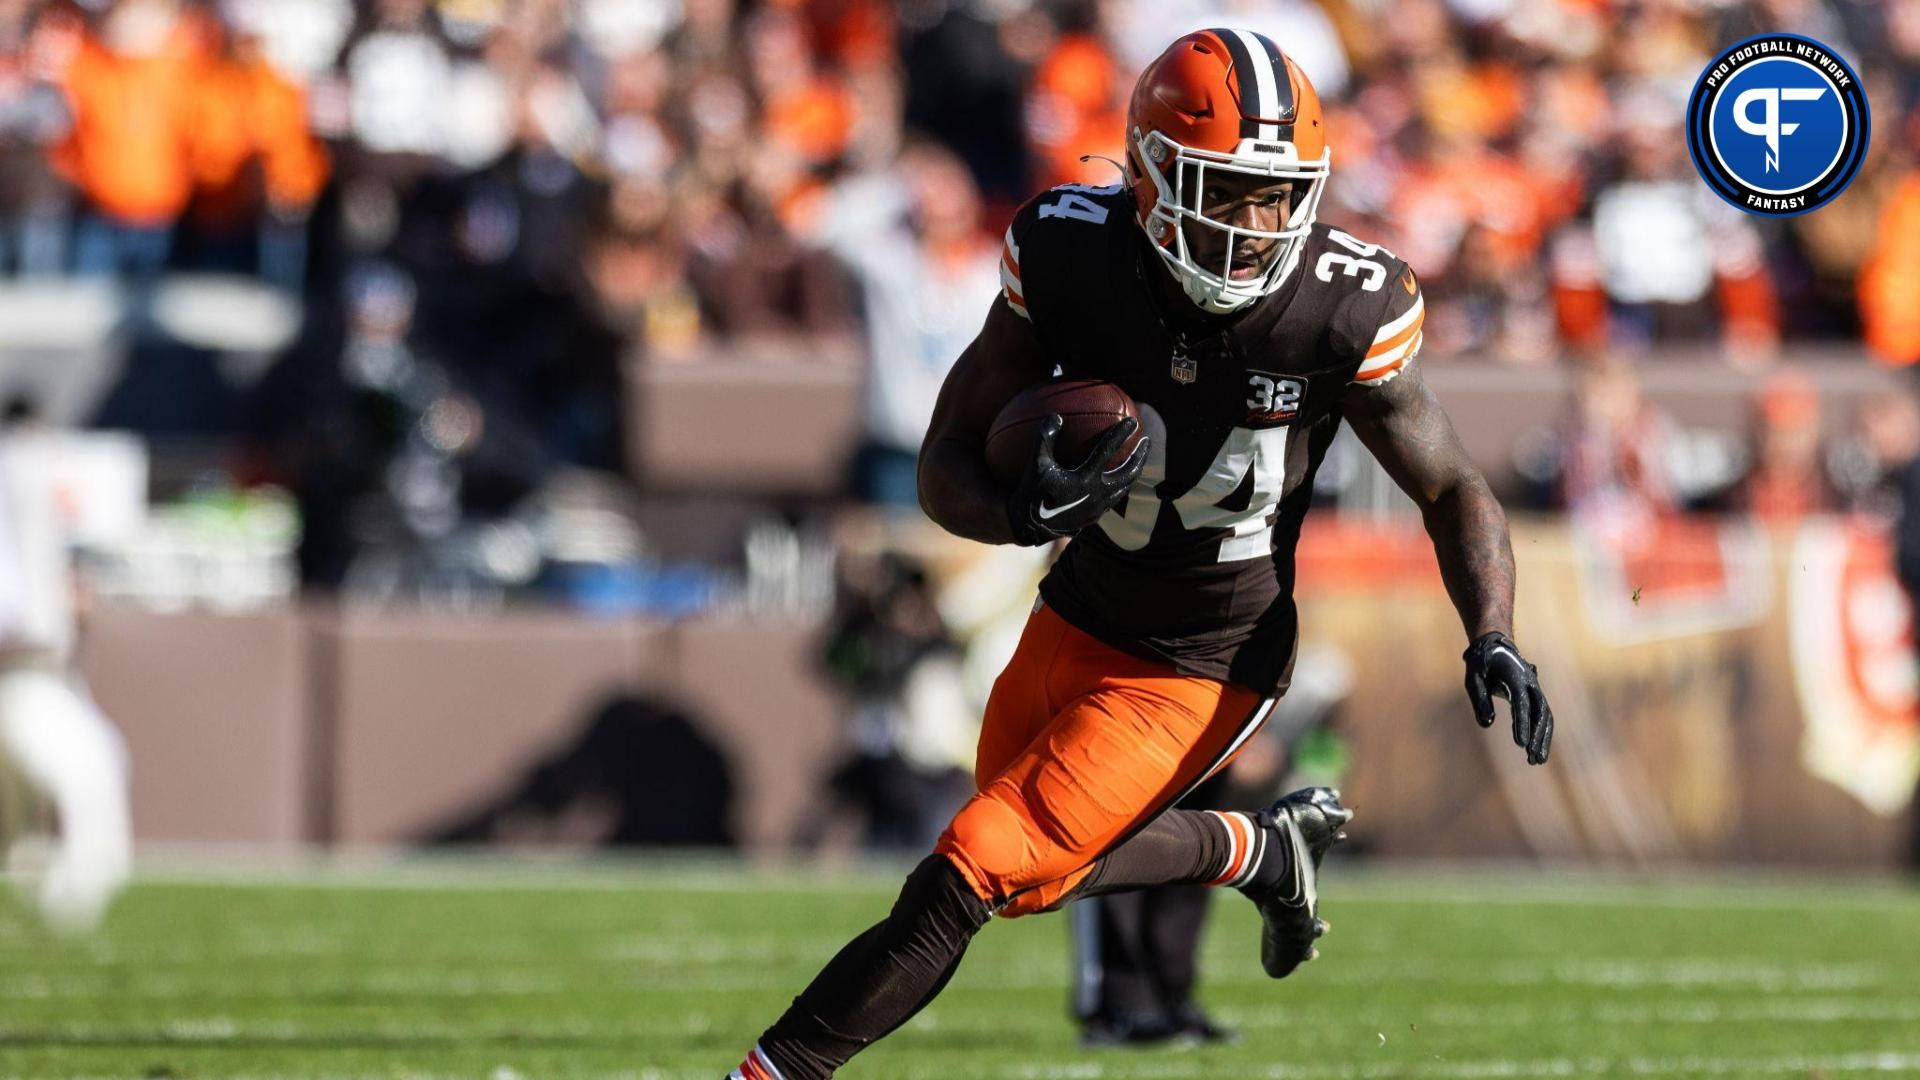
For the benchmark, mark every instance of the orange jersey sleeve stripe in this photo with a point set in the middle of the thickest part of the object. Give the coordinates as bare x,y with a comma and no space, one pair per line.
1010,286
1385,368
1382,346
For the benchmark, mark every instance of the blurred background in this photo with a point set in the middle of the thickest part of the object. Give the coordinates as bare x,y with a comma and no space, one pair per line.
493,421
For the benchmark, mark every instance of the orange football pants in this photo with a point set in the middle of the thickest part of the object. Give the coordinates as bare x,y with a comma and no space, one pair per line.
1081,746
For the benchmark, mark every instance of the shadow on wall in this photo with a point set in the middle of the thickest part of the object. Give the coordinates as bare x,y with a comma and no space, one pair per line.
640,774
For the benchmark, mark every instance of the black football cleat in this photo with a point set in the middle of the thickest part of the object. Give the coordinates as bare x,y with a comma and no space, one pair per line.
1196,1025
1296,831
1128,1030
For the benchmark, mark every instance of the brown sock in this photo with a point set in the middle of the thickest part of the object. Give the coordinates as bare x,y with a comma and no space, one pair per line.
1180,847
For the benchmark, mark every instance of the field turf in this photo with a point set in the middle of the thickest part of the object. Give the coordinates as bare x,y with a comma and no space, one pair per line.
638,970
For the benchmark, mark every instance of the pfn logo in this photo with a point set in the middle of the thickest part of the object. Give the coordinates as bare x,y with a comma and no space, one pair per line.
1777,125
1770,128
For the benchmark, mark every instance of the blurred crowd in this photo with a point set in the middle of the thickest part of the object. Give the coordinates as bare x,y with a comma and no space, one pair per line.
486,205
720,169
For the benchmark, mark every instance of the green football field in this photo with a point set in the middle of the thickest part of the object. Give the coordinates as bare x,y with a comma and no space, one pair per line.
634,970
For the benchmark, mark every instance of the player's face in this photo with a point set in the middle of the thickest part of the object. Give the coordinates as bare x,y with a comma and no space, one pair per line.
1258,204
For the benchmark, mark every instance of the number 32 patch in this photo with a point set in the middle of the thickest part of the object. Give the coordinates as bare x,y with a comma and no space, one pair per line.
1273,399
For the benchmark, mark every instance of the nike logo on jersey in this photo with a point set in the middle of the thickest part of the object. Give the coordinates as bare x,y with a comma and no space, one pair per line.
1048,513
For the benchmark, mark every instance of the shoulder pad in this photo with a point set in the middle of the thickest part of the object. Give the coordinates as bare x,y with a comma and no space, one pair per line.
1398,331
1378,306
1036,224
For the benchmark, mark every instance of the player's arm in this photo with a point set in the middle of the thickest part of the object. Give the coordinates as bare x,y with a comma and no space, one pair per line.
956,490
1051,500
1402,423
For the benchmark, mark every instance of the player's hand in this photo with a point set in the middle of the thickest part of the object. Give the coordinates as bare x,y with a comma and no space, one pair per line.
1054,500
1495,668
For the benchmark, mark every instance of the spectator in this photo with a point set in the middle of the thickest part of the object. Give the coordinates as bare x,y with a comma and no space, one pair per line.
964,91
1867,465
927,273
258,169
1076,112
399,76
1786,478
1890,280
911,728
131,88
33,118
1612,460
569,183
1664,243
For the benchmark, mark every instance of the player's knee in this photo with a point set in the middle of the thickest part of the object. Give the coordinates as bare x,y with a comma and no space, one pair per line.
937,895
988,843
1036,901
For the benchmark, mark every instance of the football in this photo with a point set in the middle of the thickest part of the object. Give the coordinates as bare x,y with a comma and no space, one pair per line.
1087,406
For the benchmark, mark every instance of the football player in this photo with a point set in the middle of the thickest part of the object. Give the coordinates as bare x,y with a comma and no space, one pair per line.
1247,334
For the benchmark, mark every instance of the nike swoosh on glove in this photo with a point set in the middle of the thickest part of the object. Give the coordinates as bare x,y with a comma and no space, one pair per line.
1495,668
1053,500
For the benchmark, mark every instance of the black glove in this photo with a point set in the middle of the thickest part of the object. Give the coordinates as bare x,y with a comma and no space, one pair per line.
1052,500
1496,668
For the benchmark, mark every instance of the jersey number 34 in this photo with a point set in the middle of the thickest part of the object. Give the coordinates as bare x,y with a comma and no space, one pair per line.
1371,273
1246,453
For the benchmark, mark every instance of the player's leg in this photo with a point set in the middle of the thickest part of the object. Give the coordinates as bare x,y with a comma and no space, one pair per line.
1081,807
1130,737
1116,998
887,974
1075,789
1172,918
65,748
1273,857
1175,919
877,982
1081,744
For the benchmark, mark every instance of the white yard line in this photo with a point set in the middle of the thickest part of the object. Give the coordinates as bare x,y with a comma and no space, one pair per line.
1491,1069
741,967
1501,884
1680,1013
646,962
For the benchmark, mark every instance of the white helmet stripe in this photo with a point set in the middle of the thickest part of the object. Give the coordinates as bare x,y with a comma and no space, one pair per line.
1267,106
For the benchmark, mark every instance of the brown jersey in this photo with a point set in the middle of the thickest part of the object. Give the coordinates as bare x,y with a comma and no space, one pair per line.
1195,565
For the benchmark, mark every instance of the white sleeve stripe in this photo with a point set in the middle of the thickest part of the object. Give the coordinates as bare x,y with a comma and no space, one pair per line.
1009,282
1392,357
1013,247
1019,308
1405,320
1381,379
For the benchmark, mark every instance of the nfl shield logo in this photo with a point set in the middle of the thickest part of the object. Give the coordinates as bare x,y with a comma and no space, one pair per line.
1185,369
